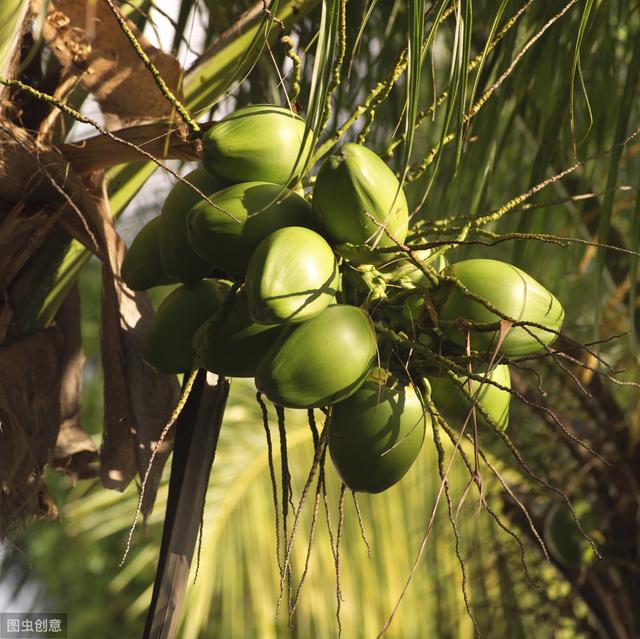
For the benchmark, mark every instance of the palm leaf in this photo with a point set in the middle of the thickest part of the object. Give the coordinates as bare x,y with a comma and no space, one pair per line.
12,14
624,113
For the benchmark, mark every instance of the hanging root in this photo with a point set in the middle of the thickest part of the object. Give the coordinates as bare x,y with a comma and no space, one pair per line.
298,512
453,438
186,391
327,511
516,453
272,475
363,534
314,521
311,417
339,598
445,483
456,369
529,369
286,475
427,532
286,493
287,500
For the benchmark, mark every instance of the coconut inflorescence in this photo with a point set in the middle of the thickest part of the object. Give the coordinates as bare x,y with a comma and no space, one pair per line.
309,291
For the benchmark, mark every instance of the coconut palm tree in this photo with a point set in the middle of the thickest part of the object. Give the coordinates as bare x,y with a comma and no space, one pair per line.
513,128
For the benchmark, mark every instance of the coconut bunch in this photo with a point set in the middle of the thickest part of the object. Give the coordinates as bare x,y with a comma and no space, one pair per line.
309,294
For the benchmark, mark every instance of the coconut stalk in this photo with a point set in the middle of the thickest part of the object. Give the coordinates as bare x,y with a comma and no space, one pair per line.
197,431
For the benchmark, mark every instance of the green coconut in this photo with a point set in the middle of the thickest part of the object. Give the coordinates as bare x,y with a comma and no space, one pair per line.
454,398
259,208
351,188
292,276
168,342
234,345
375,435
258,142
321,361
510,290
178,258
142,267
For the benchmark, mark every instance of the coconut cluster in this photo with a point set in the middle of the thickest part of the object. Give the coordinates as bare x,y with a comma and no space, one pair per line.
271,285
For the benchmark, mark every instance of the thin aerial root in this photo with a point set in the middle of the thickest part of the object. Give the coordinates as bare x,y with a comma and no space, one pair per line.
325,500
428,528
287,500
298,511
311,417
443,477
452,436
286,475
272,475
339,598
554,355
529,369
314,521
363,534
522,507
516,453
163,435
455,369
558,422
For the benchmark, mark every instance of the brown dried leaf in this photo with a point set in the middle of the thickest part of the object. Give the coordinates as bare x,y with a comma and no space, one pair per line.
132,421
21,233
138,400
39,389
20,177
160,139
86,39
29,419
74,453
38,175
